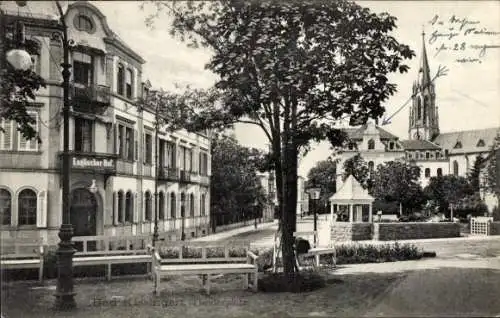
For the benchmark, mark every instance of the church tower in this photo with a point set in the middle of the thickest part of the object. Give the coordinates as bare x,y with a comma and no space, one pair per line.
424,120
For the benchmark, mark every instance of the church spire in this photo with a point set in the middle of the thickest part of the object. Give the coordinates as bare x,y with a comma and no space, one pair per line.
424,73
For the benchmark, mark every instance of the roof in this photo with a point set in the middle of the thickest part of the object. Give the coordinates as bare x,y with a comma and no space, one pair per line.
467,141
357,133
419,145
351,192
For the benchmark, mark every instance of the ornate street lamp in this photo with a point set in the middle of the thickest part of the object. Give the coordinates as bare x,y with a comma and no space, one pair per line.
314,194
20,59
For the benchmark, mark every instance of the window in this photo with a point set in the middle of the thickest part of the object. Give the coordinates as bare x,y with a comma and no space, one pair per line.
148,148
391,145
129,207
458,145
371,166
439,172
371,144
5,206
410,156
120,79
83,69
455,168
191,205
35,61
202,204
183,204
171,156
419,108
84,23
148,206
125,142
446,153
120,207
32,144
438,154
83,134
427,172
27,207
480,143
203,163
427,155
173,209
129,83
161,206
6,135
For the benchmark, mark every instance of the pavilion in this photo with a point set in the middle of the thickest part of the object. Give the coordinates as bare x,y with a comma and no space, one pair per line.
353,196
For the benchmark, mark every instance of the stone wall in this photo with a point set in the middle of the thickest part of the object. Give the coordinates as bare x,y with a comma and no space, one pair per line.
345,231
414,230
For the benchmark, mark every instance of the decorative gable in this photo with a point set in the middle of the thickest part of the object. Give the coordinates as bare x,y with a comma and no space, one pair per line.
458,145
480,143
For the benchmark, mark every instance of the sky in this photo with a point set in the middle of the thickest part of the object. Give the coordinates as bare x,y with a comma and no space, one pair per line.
468,97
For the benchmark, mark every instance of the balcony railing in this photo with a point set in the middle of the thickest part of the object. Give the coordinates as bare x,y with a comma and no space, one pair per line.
185,176
126,167
168,174
205,180
90,98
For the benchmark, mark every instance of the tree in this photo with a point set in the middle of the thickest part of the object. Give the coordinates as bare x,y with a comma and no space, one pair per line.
357,167
396,181
323,175
235,187
492,170
446,190
18,87
293,69
475,173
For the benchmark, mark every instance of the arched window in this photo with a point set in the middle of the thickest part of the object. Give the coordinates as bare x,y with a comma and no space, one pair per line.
419,108
371,144
183,205
121,212
148,206
5,206
120,79
202,204
455,167
191,205
129,207
173,210
427,172
27,207
129,83
427,155
83,23
161,206
439,172
425,107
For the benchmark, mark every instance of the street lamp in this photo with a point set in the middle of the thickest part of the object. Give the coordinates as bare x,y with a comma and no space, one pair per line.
20,59
314,195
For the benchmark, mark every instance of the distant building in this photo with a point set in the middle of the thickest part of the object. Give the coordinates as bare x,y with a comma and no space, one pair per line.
111,141
434,152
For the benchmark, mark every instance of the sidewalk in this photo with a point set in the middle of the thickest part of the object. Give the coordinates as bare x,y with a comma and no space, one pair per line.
233,232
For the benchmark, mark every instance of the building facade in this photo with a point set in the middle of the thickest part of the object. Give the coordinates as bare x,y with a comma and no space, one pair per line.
112,143
434,152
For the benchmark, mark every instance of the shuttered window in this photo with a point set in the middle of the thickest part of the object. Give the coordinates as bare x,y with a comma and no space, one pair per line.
6,135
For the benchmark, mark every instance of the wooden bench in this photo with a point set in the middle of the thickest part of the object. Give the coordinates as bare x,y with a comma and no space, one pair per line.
316,251
199,258
22,254
111,250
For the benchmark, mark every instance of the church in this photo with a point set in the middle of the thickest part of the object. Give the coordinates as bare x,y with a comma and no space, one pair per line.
435,152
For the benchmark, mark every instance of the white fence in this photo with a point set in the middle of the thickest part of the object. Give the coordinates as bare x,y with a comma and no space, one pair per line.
480,225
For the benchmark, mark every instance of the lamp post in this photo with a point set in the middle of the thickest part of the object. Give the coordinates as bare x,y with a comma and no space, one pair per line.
157,171
314,194
20,59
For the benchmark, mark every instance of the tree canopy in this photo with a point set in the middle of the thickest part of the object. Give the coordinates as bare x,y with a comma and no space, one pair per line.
358,168
323,175
397,181
18,88
294,69
446,190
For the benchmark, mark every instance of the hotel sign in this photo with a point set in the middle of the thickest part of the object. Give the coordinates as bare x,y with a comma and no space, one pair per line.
104,163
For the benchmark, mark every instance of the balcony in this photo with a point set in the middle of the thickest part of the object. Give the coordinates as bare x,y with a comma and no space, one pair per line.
91,98
168,174
104,163
185,176
205,180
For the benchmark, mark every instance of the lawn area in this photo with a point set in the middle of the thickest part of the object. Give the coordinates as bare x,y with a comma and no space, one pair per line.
346,295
